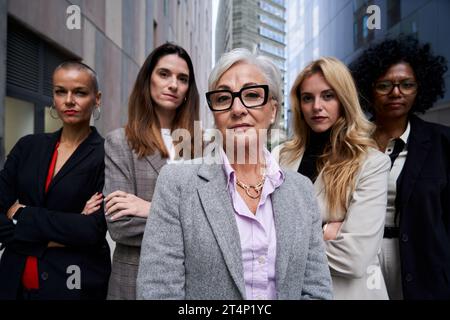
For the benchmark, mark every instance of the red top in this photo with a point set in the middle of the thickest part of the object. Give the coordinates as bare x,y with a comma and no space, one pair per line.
30,278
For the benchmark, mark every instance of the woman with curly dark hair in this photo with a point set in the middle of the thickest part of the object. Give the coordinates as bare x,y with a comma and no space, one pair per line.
397,78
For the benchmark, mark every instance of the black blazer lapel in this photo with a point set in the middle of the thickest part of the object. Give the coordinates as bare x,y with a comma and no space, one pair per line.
45,157
83,151
419,145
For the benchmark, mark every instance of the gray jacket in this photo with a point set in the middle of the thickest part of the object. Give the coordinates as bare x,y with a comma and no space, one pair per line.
191,247
126,172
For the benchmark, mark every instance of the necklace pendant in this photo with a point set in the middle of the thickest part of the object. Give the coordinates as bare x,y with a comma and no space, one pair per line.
257,188
256,196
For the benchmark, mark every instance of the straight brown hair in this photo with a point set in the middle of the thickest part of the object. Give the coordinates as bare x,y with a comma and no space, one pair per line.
143,130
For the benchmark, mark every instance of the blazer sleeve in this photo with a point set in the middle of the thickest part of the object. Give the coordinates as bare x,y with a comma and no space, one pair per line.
317,284
8,190
127,230
161,269
359,239
38,224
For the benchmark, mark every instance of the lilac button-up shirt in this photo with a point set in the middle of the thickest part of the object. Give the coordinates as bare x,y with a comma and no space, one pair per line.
257,232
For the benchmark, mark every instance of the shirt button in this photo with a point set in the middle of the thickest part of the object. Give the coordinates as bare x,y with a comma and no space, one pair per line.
261,260
44,276
405,237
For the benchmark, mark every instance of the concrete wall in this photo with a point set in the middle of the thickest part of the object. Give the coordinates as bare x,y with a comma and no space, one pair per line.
115,38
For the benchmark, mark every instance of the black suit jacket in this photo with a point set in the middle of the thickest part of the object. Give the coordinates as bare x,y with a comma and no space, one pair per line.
423,191
54,216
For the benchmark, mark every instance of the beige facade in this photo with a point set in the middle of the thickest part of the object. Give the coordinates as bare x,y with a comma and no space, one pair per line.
115,38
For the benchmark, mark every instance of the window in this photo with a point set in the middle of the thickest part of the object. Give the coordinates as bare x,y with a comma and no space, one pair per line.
271,9
279,2
271,22
30,64
166,8
393,13
361,34
271,34
269,48
19,121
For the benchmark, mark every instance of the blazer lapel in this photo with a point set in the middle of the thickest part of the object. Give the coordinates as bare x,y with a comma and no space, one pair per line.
156,161
220,214
285,231
291,166
83,151
419,145
44,163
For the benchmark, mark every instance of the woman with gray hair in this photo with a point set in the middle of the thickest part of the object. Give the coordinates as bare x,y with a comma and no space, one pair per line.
241,228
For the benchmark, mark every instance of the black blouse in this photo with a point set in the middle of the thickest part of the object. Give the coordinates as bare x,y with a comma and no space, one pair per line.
314,149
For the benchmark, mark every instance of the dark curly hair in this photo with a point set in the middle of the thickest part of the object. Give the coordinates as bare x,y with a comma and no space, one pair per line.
378,58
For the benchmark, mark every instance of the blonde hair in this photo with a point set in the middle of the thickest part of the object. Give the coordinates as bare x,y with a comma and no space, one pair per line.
350,134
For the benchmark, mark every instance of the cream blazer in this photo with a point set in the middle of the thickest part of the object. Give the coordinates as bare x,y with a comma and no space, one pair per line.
353,257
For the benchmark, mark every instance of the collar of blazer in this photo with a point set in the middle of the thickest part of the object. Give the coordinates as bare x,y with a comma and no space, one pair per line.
219,211
156,161
94,140
419,145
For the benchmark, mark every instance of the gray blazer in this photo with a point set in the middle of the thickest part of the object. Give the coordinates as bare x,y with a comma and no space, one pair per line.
124,171
353,256
191,247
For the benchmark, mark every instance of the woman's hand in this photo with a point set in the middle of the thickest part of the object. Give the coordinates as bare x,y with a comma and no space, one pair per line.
13,209
93,204
119,204
330,230
52,244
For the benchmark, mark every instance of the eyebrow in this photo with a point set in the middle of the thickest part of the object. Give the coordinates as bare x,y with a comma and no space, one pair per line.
77,88
167,70
321,92
399,79
248,84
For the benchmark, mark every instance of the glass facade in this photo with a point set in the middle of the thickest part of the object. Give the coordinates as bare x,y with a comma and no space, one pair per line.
279,25
271,34
274,50
271,9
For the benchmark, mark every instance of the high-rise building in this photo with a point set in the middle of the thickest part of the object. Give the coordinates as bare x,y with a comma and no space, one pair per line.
113,36
339,28
258,25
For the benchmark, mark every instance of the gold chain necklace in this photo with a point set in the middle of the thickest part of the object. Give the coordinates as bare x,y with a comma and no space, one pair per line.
258,187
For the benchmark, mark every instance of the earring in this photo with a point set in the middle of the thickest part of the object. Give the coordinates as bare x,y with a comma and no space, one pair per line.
53,109
96,117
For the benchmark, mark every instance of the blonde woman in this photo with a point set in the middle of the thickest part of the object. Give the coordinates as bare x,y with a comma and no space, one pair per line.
332,146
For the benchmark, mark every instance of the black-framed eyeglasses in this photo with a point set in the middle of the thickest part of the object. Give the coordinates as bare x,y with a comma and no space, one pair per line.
251,97
406,87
